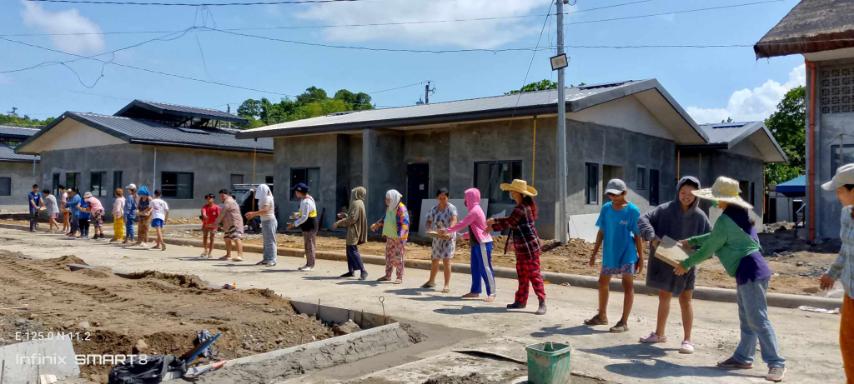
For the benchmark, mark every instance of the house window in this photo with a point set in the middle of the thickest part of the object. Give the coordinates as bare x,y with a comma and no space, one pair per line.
72,180
309,176
177,185
641,178
835,91
840,155
117,180
236,179
591,192
744,187
752,193
5,186
54,181
489,174
654,186
96,183
268,180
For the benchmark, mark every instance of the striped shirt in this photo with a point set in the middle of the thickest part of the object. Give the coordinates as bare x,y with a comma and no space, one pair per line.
843,268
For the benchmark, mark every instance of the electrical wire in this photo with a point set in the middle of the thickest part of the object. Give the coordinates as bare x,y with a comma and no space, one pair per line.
396,88
179,4
533,56
148,70
321,26
673,12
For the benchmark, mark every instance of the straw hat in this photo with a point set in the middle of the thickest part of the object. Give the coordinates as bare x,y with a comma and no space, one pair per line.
520,186
724,189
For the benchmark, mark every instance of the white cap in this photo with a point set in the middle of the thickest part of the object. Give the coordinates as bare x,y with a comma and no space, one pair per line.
844,175
615,187
131,186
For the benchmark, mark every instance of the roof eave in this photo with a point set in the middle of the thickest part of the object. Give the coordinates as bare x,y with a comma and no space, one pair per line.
200,146
154,108
766,48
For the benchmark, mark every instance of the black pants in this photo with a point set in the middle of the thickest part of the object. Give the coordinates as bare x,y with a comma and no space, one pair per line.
34,220
354,259
84,227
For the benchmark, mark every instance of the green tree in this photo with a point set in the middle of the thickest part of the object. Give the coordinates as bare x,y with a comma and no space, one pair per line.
787,125
311,103
14,119
541,85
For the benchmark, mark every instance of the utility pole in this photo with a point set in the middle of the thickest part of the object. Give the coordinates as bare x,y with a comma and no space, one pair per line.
427,92
563,215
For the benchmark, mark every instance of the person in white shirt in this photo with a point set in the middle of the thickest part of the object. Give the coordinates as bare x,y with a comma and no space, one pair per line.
52,209
159,214
267,212
306,220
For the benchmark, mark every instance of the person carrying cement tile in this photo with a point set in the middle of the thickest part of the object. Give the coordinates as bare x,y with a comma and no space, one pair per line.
395,226
73,207
734,241
356,222
159,214
843,268
679,219
481,246
526,243
306,220
34,200
622,254
267,212
143,213
232,225
442,215
131,204
95,210
52,209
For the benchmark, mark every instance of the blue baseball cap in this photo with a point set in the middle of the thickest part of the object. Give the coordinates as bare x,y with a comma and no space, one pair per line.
300,187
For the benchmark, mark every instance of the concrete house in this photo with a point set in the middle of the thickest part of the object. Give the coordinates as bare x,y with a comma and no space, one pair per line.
184,151
627,129
18,172
737,150
823,32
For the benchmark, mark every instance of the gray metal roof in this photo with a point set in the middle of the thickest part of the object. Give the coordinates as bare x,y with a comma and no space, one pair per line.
7,154
543,102
11,130
183,110
728,135
141,131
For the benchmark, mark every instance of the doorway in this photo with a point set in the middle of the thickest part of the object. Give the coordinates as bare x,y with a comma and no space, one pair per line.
417,184
654,181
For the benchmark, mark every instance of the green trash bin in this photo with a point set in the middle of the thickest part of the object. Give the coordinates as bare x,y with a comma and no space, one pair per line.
548,363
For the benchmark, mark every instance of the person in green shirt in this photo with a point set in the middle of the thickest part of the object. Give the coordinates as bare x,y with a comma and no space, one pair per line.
734,240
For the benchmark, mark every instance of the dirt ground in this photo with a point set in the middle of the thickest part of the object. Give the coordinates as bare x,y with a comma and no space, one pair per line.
150,312
797,264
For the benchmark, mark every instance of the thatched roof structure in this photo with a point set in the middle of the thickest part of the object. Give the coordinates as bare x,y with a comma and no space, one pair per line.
811,26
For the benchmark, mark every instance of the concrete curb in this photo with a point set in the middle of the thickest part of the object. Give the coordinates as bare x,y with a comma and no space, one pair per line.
783,300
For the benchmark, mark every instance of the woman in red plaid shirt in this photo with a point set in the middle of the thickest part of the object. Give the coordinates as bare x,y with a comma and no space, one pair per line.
526,243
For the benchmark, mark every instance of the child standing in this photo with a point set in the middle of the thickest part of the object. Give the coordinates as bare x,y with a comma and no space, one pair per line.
96,213
34,200
131,204
843,268
143,212
210,212
159,214
73,208
118,216
83,216
52,209
622,254
395,226
357,232
481,246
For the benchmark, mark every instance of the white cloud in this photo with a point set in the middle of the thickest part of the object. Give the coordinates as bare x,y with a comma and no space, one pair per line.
468,34
751,104
67,21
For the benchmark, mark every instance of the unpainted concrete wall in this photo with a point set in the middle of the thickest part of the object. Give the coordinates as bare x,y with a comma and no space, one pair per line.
211,169
307,152
709,165
23,178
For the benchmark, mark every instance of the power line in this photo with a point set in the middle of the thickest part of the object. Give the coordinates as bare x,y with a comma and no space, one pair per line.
396,88
326,26
533,56
673,12
153,71
179,4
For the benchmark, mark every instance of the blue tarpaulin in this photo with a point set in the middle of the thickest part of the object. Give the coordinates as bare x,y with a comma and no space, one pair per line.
794,187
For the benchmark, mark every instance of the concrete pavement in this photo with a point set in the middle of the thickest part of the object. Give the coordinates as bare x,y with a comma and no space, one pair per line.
808,340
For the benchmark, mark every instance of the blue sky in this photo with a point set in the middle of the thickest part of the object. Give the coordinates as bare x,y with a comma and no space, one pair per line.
712,83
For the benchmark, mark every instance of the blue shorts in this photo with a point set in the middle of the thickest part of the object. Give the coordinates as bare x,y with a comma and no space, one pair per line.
157,223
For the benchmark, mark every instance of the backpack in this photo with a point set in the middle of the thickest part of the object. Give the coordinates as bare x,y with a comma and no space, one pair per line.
152,371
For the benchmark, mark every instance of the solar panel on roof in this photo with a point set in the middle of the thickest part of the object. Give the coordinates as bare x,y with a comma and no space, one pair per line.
738,125
192,130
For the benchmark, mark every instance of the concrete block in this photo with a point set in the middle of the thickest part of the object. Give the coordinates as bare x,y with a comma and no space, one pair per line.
27,362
